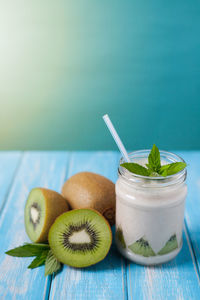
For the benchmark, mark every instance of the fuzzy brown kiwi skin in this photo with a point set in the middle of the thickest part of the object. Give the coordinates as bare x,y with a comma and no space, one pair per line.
90,190
55,204
110,236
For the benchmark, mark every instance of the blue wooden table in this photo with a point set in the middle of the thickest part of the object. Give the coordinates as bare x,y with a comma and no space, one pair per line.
114,278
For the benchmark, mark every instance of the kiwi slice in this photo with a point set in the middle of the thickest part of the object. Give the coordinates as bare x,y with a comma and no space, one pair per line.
80,237
171,245
90,190
142,247
120,237
43,206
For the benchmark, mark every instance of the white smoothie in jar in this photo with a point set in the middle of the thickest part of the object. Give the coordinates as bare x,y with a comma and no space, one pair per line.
150,212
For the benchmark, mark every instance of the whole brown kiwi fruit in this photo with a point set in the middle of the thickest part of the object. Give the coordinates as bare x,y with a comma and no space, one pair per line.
90,190
43,206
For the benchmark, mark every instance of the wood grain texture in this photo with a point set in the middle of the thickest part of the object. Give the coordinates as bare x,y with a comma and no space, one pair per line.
9,162
114,277
192,212
37,169
174,280
107,279
178,279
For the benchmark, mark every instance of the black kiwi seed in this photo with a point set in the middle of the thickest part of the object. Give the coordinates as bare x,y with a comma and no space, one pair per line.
83,247
36,206
143,242
172,238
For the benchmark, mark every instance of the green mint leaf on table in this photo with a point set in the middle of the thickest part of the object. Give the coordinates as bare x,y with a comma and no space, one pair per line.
154,160
172,169
28,250
39,260
43,256
136,168
154,168
51,264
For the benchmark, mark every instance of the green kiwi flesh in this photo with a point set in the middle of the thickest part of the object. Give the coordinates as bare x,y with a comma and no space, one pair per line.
34,214
171,245
120,237
80,237
43,206
142,247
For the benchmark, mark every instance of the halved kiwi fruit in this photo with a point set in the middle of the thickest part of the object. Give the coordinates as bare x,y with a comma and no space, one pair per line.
43,206
80,237
171,245
90,190
142,247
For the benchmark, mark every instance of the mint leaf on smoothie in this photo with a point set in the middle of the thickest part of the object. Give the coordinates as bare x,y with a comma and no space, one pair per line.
136,168
154,168
154,160
171,169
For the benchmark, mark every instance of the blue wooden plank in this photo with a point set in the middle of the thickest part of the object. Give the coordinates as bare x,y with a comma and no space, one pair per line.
174,280
107,279
192,215
178,279
8,165
46,169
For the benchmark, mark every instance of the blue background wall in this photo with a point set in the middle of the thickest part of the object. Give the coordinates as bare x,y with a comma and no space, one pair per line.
63,64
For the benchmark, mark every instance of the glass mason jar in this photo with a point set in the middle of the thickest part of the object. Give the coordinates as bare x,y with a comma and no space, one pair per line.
150,212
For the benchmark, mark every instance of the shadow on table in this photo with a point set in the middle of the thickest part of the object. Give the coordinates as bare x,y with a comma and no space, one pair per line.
112,262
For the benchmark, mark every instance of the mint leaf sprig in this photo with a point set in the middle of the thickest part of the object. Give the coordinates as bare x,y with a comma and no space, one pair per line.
154,168
154,164
136,168
43,253
28,250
